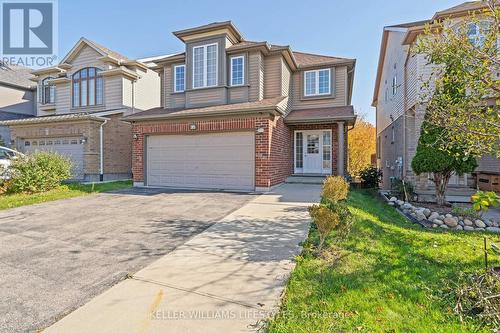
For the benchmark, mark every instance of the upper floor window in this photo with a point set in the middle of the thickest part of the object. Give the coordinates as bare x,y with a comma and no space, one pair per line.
179,78
237,71
205,66
87,87
394,85
48,91
476,33
317,82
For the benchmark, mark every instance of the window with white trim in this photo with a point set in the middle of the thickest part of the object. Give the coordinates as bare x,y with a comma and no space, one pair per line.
237,71
179,78
317,82
394,85
48,91
205,66
476,32
87,87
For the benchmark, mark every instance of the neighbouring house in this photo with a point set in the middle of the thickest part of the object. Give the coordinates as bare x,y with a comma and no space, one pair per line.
243,115
399,113
79,108
17,97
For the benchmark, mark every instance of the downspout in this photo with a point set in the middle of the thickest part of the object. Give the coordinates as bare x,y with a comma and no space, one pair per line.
101,151
133,96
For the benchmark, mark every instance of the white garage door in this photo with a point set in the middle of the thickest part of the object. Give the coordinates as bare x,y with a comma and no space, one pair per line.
212,161
70,147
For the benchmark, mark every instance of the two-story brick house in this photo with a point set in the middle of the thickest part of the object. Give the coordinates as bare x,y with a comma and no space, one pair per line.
242,115
80,105
399,110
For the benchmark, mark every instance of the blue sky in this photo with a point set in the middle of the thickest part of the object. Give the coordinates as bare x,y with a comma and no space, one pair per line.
352,29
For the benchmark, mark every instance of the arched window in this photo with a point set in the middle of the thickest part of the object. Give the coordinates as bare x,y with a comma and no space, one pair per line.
476,32
47,91
87,87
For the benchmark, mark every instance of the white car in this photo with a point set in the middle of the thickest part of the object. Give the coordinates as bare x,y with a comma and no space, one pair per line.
6,156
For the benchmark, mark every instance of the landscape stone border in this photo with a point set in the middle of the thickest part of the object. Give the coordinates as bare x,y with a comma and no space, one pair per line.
432,219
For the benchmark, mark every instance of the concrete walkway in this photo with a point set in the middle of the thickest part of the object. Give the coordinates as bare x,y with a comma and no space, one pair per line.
226,279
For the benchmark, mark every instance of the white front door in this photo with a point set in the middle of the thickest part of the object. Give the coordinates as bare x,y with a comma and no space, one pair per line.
313,159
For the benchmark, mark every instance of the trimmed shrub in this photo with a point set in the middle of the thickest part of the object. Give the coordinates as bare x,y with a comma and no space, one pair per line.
38,172
371,177
332,213
335,188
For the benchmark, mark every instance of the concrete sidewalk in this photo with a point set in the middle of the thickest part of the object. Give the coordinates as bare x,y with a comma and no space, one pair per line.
226,279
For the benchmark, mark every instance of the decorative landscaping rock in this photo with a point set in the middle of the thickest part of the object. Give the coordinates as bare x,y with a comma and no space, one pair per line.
420,216
437,221
451,221
480,224
407,206
468,222
433,216
493,229
434,219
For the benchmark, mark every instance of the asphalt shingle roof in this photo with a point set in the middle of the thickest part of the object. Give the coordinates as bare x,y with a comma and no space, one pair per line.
16,75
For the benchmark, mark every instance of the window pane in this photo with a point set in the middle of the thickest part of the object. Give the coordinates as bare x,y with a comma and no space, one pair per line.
83,73
237,71
299,149
98,97
211,65
179,78
312,144
91,72
310,83
91,91
198,63
83,100
324,81
76,94
76,76
52,98
327,148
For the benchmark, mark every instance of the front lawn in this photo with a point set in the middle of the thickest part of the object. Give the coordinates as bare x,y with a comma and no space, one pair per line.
385,277
62,192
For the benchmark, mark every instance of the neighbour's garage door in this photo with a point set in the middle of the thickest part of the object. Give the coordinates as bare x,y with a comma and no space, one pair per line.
71,147
212,161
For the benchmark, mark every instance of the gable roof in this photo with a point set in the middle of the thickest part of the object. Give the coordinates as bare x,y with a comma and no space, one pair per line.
102,50
16,76
463,8
210,27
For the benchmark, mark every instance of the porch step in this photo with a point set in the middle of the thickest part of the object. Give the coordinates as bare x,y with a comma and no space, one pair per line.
301,179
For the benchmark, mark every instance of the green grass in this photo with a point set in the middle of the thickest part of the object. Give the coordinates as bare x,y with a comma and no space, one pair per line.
63,192
385,278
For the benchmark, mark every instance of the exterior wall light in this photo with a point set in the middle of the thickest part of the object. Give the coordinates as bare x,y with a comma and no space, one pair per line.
192,127
135,136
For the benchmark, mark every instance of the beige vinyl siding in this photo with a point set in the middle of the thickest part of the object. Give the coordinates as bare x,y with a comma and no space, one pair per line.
205,97
162,88
171,99
338,98
127,91
286,78
113,86
87,57
272,76
256,76
238,94
63,97
412,84
147,90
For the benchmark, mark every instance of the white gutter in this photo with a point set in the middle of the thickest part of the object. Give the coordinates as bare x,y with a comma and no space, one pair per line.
101,151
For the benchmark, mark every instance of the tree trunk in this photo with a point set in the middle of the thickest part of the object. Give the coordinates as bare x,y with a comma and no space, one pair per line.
441,180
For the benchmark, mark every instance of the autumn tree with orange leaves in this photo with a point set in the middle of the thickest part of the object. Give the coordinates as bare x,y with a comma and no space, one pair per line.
361,146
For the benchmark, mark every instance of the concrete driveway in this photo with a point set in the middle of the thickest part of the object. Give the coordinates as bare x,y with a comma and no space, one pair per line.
55,257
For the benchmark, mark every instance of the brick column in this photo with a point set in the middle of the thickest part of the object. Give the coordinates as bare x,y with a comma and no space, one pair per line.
341,153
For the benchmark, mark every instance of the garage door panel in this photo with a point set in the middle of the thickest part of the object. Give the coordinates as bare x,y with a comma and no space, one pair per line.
222,160
69,147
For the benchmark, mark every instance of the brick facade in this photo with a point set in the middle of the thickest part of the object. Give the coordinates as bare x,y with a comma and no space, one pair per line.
273,143
117,143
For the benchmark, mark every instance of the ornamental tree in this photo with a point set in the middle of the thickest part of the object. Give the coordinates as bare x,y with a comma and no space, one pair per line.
430,158
468,54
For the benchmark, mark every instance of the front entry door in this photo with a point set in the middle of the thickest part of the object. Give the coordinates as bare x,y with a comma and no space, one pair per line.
313,159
